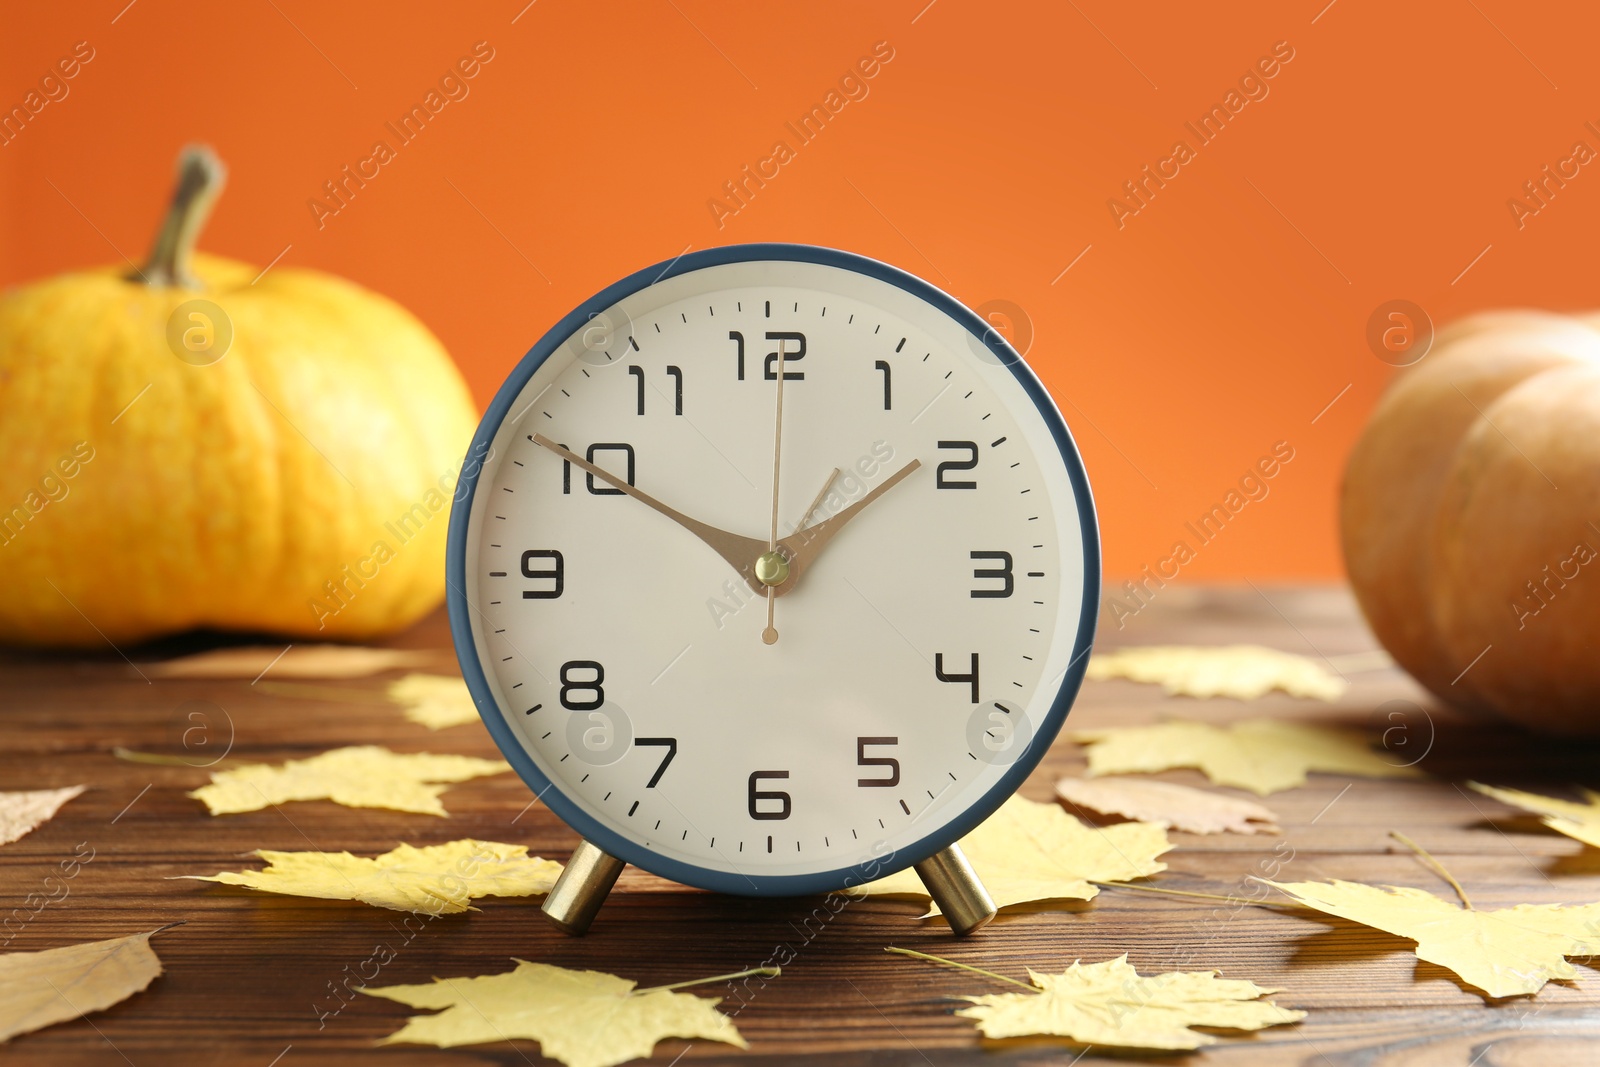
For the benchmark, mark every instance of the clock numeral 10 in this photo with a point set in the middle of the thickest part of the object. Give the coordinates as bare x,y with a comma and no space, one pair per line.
759,795
571,685
556,573
970,678
675,373
599,489
864,760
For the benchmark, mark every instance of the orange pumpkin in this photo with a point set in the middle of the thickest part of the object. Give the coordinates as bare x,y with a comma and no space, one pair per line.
1471,519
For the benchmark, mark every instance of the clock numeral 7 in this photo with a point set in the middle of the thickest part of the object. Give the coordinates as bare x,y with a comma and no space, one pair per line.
599,489
970,678
668,743
675,373
864,760
758,794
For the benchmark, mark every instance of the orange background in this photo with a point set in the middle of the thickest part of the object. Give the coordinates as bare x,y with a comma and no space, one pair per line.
1220,319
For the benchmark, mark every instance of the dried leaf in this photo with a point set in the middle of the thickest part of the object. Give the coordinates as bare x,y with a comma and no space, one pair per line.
1110,1003
1028,852
23,812
1581,821
1506,952
364,776
299,661
582,1018
1261,755
434,700
39,989
1243,672
1176,807
434,880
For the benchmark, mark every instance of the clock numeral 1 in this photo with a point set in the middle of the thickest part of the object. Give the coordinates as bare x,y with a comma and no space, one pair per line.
598,489
768,795
1003,572
556,573
571,685
668,743
883,365
971,679
675,373
864,760
971,448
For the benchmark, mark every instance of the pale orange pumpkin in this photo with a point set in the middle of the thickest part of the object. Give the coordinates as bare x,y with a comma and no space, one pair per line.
1471,519
296,481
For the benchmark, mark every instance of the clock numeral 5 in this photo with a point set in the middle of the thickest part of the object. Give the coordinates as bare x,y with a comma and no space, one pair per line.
758,794
556,573
675,373
571,685
600,489
971,678
1008,580
971,448
864,760
668,743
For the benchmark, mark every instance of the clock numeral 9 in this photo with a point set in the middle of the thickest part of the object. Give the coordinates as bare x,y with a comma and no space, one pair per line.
556,573
971,678
864,760
971,448
571,685
1008,580
600,489
758,794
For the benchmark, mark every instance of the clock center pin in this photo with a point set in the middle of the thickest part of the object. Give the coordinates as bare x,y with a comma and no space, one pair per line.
772,568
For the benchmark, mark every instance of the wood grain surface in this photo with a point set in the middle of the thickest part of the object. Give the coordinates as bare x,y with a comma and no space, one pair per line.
249,976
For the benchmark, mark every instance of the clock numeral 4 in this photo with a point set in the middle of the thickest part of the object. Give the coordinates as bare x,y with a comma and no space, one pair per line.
759,795
599,488
675,373
555,574
668,743
971,449
571,685
970,678
864,760
1008,580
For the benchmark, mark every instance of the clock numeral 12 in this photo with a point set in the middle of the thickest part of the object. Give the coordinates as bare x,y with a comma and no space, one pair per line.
758,794
971,678
769,368
864,760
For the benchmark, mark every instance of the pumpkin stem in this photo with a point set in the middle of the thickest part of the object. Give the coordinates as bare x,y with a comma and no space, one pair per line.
200,179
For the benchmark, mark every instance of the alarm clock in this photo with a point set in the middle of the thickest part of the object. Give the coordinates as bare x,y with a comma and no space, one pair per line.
773,571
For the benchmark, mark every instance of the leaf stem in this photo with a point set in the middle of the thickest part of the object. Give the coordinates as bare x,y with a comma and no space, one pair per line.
959,966
1192,893
764,972
1434,865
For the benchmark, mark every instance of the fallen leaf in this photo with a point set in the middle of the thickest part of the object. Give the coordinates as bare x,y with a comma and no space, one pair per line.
434,880
1110,1003
582,1018
1028,852
23,812
39,989
1243,672
363,776
434,700
1505,952
1581,821
1261,755
1176,807
299,661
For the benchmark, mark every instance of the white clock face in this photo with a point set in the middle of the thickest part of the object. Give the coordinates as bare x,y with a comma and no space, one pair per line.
916,653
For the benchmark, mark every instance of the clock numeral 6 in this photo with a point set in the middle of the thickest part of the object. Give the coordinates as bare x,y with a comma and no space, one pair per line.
1008,580
571,685
599,489
556,573
971,678
668,743
757,794
864,760
969,447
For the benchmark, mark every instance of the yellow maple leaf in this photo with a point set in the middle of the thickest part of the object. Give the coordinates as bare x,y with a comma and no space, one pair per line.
1505,952
1028,852
434,879
1261,755
1176,807
1580,821
1243,672
21,813
434,700
582,1018
362,776
38,989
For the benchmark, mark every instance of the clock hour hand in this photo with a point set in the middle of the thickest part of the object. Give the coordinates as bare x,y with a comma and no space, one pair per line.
741,552
804,546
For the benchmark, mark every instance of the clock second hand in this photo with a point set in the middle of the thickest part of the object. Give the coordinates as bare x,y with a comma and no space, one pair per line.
772,568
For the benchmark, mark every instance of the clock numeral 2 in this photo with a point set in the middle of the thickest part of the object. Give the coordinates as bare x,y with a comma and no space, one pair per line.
971,678
1003,572
971,448
571,685
758,794
668,743
589,454
675,373
556,573
864,760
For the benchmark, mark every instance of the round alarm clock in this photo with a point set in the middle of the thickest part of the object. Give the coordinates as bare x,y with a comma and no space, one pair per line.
773,570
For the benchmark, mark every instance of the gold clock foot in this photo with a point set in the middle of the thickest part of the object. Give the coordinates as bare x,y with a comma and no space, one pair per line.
962,899
577,895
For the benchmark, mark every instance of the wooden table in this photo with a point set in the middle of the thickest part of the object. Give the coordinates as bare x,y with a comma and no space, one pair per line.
249,974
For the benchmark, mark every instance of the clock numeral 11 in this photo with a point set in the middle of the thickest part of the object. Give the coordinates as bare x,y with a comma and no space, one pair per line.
675,373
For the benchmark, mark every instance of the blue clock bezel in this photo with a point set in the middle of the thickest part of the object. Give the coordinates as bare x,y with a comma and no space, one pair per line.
572,813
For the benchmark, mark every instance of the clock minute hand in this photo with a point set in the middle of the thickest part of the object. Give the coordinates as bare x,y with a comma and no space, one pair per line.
804,546
740,551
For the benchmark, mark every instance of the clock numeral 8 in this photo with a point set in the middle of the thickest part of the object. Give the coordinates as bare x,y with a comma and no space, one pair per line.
570,685
758,794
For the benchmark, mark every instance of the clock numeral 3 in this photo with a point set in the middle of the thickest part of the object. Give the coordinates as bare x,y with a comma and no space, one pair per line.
971,448
1008,580
768,795
864,760
668,743
571,685
971,678
599,489
556,573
